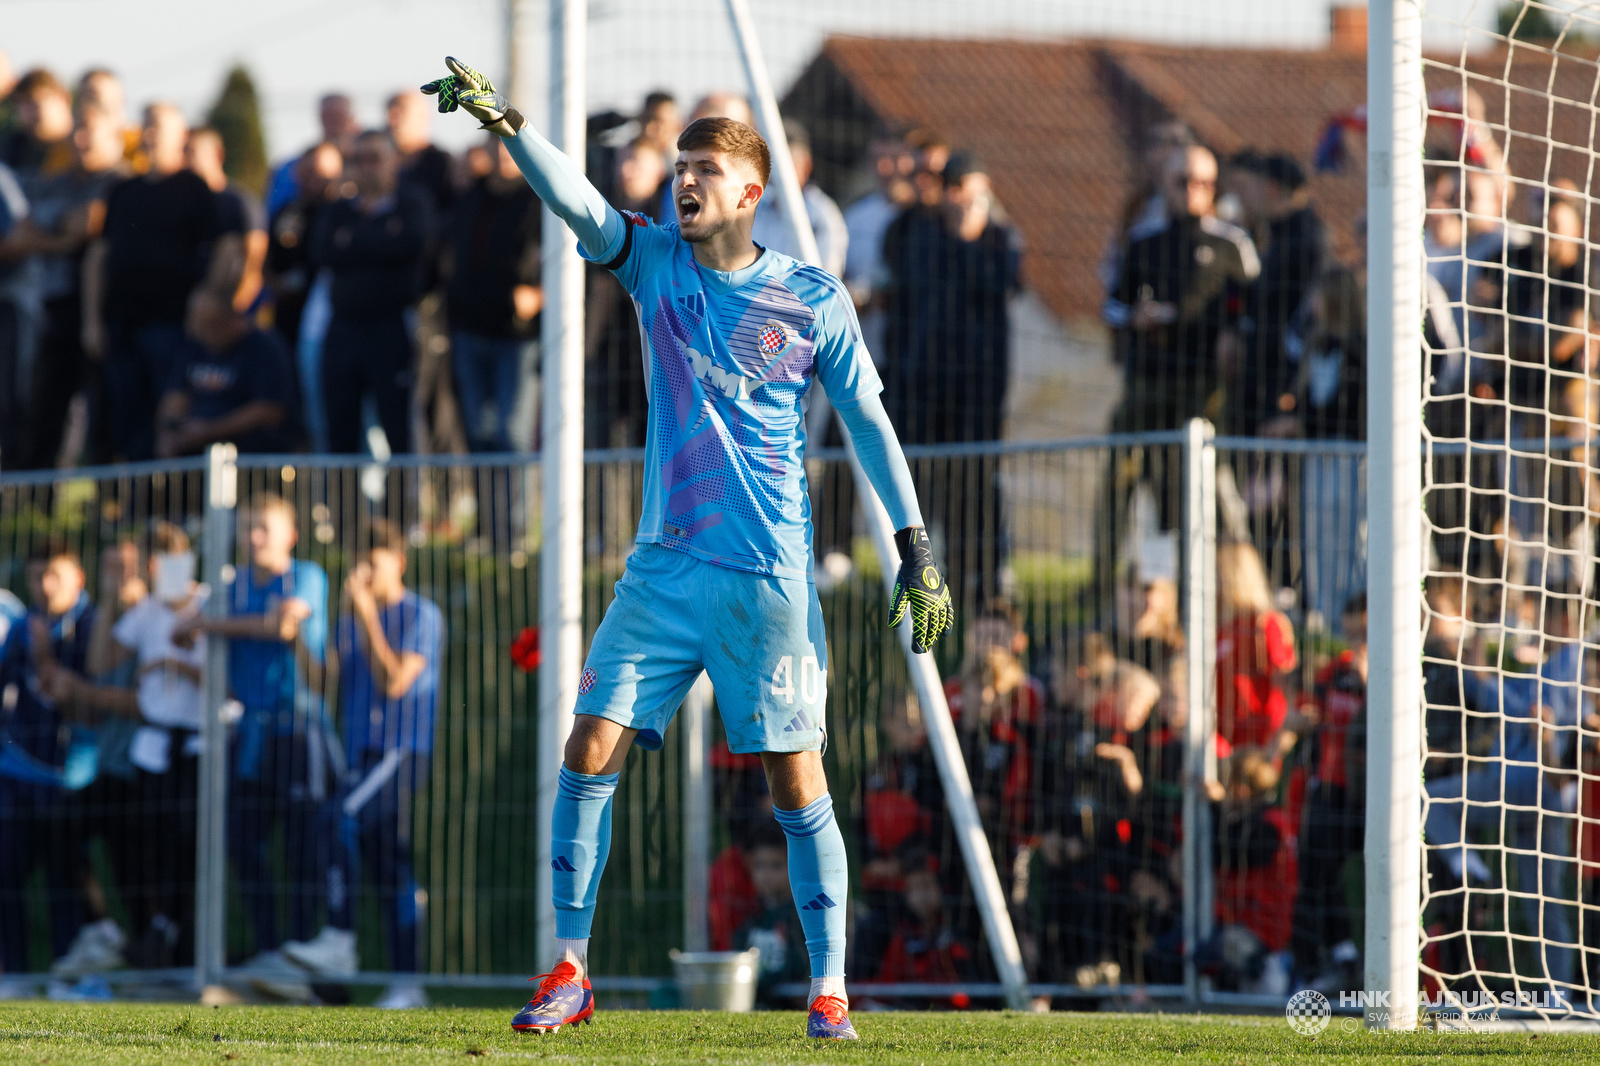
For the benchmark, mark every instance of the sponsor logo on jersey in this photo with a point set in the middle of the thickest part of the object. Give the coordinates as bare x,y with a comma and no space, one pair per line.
731,383
694,303
586,681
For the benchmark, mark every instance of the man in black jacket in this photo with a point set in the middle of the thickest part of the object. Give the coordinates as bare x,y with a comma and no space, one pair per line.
374,246
491,247
1177,302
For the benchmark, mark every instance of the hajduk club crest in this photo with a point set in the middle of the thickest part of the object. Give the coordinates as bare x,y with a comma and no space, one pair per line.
772,339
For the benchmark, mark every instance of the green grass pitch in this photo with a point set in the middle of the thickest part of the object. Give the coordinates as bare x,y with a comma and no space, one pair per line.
139,1033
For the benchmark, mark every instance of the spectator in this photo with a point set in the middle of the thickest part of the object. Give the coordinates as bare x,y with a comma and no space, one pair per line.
1145,210
239,214
34,831
13,312
615,391
103,809
951,275
827,224
390,644
1255,645
998,708
231,381
39,144
423,164
337,117
1332,828
373,245
99,88
277,629
66,214
1174,304
152,842
300,294
492,254
159,231
925,947
775,928
1277,205
660,122
865,222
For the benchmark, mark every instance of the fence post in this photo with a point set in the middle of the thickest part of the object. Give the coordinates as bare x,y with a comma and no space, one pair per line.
1395,94
1200,651
696,726
560,457
211,859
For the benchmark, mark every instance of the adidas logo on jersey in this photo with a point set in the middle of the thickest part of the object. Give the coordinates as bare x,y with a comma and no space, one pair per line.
694,303
821,903
564,864
731,383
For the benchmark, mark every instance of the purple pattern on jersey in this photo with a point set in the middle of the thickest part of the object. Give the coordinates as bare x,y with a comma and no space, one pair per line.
730,358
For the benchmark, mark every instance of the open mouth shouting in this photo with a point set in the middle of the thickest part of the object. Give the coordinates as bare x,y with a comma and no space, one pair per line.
688,208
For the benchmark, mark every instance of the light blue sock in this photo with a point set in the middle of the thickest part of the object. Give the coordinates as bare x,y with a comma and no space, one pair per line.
580,840
820,879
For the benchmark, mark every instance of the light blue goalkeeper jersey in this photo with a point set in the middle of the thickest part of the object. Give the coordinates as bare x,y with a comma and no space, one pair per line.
729,358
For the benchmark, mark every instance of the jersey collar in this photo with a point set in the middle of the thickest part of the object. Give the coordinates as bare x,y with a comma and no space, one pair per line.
724,282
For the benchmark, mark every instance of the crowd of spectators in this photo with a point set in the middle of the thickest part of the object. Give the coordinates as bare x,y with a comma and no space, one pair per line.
132,268
335,714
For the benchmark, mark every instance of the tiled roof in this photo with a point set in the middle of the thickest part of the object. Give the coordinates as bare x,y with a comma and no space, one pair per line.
1056,123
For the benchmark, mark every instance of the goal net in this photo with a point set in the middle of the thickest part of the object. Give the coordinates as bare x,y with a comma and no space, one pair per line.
1510,765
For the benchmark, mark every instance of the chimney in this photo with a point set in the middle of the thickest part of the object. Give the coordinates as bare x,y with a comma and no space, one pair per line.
1347,25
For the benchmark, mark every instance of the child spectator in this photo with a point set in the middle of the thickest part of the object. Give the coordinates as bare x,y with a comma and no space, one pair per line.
1332,826
277,631
33,829
925,948
998,709
775,929
390,643
152,839
1254,647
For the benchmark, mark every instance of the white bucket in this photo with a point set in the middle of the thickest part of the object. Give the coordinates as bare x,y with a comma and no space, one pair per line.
716,980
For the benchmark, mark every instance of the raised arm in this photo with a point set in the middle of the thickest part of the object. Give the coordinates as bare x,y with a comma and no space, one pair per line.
558,181
878,449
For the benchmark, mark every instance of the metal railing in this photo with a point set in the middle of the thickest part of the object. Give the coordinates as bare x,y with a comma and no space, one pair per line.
1065,546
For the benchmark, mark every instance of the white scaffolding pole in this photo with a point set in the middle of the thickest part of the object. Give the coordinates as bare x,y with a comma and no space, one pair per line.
1394,507
560,453
942,740
211,863
1200,639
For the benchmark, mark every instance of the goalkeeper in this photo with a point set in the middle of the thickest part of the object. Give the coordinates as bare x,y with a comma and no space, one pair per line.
720,579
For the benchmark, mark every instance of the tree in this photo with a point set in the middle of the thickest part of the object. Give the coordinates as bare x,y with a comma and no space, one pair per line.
1537,24
237,117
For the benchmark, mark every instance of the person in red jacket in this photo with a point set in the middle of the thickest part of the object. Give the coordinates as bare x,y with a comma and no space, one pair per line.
1255,646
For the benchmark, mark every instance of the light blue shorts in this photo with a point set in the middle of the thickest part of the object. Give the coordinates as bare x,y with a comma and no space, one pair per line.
759,638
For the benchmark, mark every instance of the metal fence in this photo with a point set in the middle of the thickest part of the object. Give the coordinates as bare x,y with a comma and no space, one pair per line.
1079,677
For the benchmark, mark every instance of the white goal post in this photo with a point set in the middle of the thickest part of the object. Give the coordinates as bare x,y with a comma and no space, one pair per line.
1394,483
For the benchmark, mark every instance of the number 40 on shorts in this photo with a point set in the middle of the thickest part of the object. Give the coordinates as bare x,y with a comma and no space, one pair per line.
810,679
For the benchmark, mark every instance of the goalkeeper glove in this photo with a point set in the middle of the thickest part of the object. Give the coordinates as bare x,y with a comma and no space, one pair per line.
921,589
467,89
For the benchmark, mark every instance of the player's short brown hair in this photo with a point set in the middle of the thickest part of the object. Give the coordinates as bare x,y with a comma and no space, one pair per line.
735,139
